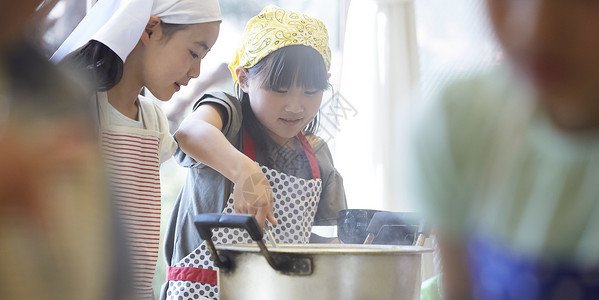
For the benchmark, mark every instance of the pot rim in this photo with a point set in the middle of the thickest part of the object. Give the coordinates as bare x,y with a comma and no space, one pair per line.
331,249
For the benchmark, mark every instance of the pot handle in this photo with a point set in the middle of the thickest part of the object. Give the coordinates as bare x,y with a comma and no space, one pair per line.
205,222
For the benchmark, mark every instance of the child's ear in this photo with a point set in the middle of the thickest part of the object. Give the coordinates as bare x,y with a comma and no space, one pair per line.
242,78
152,30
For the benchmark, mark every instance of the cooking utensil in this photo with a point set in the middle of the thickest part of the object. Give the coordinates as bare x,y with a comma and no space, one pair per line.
393,228
271,238
424,231
352,224
369,238
313,271
420,240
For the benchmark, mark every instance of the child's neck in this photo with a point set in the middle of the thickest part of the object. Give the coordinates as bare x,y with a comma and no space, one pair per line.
291,143
123,96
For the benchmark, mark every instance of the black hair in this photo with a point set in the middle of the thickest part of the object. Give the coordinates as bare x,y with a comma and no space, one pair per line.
101,66
291,65
97,63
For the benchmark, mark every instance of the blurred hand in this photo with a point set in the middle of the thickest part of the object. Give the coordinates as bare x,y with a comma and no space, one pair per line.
252,195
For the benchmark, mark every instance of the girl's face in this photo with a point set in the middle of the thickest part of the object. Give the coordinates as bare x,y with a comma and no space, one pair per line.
170,62
555,45
284,113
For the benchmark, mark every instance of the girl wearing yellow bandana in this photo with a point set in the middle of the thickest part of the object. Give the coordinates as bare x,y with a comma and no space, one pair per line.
256,153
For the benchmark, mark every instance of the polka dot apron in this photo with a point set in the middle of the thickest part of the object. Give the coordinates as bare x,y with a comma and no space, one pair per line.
295,203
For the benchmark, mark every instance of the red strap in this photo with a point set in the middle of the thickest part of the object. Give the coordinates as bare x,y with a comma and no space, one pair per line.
192,274
249,149
310,155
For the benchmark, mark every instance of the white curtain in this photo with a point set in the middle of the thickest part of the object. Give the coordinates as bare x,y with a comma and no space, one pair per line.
380,73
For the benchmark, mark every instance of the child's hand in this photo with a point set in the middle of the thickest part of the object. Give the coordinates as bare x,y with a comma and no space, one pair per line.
252,195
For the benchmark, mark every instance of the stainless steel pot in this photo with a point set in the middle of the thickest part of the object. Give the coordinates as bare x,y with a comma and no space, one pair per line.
313,271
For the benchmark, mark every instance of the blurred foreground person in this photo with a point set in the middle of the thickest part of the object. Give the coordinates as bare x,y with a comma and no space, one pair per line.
508,162
57,236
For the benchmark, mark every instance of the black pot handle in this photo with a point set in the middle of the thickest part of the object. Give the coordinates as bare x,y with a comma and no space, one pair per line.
205,222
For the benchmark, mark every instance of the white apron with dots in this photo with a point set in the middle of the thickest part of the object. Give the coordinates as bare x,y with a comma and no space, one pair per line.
133,163
295,204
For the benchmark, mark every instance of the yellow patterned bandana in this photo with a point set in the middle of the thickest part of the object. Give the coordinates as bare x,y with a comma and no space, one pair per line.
275,28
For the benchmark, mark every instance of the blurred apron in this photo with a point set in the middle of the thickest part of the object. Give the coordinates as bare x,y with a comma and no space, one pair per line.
295,204
501,273
133,163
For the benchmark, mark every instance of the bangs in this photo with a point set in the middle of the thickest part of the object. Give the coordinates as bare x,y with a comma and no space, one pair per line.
292,65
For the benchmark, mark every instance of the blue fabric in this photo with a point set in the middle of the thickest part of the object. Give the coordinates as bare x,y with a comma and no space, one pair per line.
501,273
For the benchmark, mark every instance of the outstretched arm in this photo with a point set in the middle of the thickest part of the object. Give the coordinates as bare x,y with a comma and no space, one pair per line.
200,137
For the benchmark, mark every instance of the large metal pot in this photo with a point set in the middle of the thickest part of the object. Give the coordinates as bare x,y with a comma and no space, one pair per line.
313,271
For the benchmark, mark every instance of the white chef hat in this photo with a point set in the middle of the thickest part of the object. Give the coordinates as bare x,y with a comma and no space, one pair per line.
119,24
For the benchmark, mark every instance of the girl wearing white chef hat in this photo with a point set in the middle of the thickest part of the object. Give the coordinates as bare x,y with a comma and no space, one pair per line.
123,46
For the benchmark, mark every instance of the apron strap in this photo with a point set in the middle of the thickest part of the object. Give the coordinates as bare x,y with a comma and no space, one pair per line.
249,149
310,155
192,274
